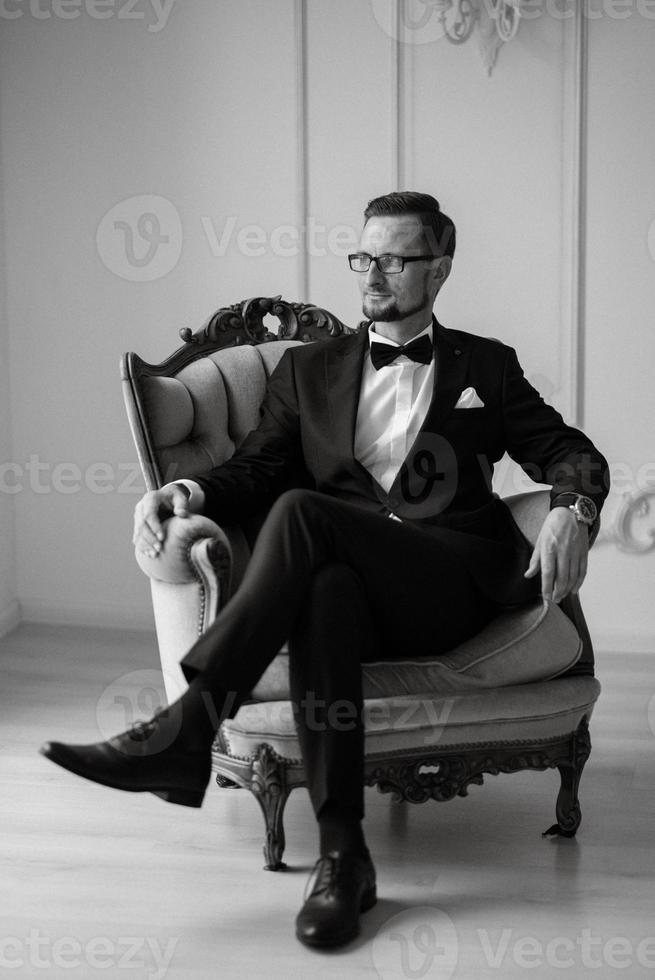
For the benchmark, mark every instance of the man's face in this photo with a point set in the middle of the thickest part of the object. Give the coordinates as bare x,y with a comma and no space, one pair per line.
395,296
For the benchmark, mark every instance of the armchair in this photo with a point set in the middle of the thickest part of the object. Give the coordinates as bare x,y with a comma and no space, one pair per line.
427,737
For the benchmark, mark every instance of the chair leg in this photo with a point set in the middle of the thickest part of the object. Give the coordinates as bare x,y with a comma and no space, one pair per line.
567,808
269,785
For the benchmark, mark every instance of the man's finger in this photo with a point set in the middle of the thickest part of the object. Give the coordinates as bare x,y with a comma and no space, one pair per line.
149,530
180,502
562,582
151,519
145,548
533,567
147,537
548,569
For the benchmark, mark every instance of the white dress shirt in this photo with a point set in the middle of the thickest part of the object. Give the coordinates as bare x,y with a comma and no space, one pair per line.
393,403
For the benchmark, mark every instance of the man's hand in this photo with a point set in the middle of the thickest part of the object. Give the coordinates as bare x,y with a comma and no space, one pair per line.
151,510
561,554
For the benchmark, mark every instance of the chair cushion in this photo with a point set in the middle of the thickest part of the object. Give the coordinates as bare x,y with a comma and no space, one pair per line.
244,371
530,643
198,418
523,712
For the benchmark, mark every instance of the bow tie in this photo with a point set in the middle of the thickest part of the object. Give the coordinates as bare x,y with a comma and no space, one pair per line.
419,350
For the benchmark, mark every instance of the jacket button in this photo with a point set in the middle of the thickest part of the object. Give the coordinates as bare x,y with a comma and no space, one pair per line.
457,352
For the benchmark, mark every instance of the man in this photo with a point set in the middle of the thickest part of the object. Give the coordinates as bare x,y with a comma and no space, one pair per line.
394,542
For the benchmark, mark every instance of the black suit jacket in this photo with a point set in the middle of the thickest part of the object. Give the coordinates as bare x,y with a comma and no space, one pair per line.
306,433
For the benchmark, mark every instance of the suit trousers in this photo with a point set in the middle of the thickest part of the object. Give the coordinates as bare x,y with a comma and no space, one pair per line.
343,585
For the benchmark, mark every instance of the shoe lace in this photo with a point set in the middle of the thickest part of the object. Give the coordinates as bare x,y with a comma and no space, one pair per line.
323,877
141,730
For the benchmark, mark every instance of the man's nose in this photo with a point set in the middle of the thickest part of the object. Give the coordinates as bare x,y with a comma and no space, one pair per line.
374,275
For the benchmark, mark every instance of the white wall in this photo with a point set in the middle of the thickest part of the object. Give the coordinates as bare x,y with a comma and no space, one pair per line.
95,113
204,113
620,311
9,611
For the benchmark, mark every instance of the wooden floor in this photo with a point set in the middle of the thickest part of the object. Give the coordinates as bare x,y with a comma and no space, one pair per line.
102,883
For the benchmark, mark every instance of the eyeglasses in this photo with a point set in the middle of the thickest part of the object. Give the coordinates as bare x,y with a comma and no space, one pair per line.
361,261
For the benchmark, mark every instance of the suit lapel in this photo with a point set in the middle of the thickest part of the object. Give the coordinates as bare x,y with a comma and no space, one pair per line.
452,363
343,371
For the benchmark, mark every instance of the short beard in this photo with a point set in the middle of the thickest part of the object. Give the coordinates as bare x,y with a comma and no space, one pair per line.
391,313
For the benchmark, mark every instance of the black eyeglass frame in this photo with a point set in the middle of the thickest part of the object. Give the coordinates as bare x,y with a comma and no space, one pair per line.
387,255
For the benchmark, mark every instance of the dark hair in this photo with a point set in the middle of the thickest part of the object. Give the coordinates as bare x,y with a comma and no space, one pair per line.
438,227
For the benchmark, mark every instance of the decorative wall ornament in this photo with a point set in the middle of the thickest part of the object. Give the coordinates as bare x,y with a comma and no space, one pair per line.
497,22
632,514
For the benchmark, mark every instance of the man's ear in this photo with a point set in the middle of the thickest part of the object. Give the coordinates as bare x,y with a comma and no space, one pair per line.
445,265
442,270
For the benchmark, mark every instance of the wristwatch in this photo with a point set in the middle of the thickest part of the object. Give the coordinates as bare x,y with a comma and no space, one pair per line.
584,509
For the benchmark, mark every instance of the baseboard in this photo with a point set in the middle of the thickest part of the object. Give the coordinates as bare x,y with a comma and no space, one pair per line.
103,615
622,641
108,615
10,617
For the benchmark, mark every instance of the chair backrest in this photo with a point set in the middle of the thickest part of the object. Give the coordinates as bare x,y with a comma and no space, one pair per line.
193,410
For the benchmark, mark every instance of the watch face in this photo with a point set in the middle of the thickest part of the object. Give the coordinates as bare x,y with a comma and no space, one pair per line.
586,510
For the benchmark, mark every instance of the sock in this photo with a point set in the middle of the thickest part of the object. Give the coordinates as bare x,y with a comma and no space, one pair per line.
340,829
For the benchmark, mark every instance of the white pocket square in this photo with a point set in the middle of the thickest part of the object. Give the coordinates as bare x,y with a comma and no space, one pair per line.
469,398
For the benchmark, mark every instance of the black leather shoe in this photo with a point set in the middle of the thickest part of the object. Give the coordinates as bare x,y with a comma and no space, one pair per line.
344,887
144,759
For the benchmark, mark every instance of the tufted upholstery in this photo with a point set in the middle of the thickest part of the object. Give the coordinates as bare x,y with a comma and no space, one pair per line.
183,412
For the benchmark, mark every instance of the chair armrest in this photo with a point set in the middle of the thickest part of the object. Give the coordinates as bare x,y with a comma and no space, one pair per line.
198,566
530,510
175,563
190,581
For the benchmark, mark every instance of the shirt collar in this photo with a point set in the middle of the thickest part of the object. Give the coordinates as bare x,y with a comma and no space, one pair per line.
377,338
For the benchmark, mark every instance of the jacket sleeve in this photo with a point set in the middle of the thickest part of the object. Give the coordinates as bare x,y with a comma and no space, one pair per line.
268,460
549,450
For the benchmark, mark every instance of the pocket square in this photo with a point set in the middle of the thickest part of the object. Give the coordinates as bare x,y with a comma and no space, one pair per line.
469,398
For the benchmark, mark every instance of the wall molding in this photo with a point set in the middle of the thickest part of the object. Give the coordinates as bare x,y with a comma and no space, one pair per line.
302,137
10,617
574,213
397,105
401,84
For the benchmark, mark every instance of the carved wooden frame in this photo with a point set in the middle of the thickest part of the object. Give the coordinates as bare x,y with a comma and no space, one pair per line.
230,326
414,776
621,532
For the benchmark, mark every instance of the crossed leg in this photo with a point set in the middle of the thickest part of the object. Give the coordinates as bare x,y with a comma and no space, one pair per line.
343,585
